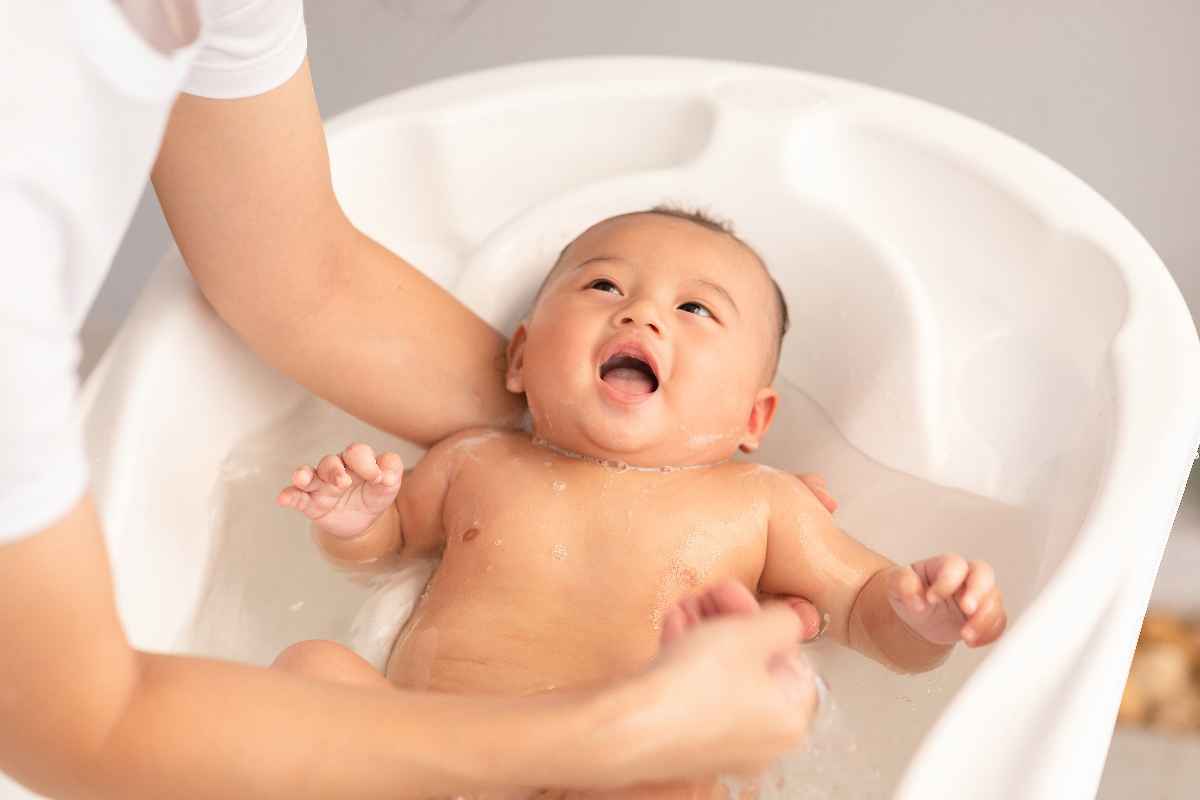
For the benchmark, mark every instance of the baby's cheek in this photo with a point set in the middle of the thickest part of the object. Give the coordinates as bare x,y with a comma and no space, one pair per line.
553,357
733,380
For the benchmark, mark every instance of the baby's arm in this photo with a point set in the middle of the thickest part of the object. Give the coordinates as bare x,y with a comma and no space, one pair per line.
873,605
367,512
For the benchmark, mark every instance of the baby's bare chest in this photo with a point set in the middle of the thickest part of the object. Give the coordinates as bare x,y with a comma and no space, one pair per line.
590,529
554,574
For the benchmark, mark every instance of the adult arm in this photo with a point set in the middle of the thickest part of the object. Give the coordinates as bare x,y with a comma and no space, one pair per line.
245,186
86,715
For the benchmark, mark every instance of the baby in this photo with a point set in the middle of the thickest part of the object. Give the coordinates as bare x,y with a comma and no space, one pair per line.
647,362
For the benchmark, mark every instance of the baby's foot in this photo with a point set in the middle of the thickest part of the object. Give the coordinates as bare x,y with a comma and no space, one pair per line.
344,494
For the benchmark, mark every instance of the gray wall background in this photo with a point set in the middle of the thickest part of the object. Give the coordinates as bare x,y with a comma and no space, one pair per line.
1109,90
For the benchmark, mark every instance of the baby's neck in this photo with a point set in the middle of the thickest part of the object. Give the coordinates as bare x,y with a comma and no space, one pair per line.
616,464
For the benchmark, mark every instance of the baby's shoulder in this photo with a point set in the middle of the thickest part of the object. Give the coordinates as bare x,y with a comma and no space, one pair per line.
751,473
767,484
476,441
748,479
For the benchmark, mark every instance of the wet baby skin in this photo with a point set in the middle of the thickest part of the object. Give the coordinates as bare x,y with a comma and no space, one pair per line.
646,363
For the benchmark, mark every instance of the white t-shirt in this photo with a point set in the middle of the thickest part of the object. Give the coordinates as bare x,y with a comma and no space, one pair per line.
87,88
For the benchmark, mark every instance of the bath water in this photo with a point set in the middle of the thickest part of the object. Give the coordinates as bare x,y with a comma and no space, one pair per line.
269,586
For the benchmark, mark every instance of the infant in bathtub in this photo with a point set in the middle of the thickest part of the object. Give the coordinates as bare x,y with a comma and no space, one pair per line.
647,363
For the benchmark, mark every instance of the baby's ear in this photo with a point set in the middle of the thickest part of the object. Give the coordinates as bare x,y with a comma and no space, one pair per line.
761,414
514,381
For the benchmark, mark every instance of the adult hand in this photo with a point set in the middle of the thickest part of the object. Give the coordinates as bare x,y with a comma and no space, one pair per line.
728,692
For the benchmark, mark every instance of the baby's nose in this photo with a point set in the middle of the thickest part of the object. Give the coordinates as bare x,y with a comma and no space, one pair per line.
649,324
642,313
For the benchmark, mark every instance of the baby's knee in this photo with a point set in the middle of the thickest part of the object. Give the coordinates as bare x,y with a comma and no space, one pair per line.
321,658
307,655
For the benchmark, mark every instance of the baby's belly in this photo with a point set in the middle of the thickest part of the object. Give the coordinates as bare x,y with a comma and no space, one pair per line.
490,636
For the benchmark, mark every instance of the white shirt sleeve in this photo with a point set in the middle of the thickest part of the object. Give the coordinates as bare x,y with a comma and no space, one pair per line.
42,467
78,133
248,47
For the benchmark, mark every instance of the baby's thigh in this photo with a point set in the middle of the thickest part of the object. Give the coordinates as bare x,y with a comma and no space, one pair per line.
706,790
329,661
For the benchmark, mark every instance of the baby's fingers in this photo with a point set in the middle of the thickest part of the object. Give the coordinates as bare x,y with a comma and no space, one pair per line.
980,581
291,497
905,587
986,624
360,458
308,482
305,479
333,472
391,468
944,575
302,501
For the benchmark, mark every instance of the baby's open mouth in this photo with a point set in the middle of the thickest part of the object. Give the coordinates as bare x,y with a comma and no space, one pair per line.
629,374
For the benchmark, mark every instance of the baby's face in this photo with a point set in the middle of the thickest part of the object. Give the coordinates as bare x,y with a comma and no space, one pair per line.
651,343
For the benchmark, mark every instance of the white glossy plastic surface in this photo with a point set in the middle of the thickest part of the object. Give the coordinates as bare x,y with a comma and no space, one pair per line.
985,357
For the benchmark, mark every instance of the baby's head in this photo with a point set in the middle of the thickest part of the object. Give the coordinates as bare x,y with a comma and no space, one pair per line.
653,340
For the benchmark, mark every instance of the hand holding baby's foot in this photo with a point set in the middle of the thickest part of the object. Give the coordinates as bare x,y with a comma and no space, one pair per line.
344,494
947,598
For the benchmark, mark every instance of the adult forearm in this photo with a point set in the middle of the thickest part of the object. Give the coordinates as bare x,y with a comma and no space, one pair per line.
83,715
400,352
876,632
197,728
374,336
245,186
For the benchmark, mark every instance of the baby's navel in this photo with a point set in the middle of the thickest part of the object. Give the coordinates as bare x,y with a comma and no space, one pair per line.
470,534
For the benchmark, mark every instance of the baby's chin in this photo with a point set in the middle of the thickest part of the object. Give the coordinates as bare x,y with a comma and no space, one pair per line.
638,446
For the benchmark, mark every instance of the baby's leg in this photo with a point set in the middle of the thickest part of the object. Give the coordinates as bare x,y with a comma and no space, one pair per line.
330,661
704,790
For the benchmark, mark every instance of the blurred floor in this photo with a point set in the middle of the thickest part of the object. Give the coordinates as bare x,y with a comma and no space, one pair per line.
1144,764
1151,766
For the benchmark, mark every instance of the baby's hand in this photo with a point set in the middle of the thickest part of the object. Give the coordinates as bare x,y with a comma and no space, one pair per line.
344,494
947,598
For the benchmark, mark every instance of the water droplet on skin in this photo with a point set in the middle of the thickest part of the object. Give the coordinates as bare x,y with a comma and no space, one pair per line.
656,619
558,486
499,542
296,606
560,551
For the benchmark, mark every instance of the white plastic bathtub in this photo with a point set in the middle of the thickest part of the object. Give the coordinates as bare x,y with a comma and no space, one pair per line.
985,357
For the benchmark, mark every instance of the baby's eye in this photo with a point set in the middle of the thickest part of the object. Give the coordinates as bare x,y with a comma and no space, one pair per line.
604,285
698,309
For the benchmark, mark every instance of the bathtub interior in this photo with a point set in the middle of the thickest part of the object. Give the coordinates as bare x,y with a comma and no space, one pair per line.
947,368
